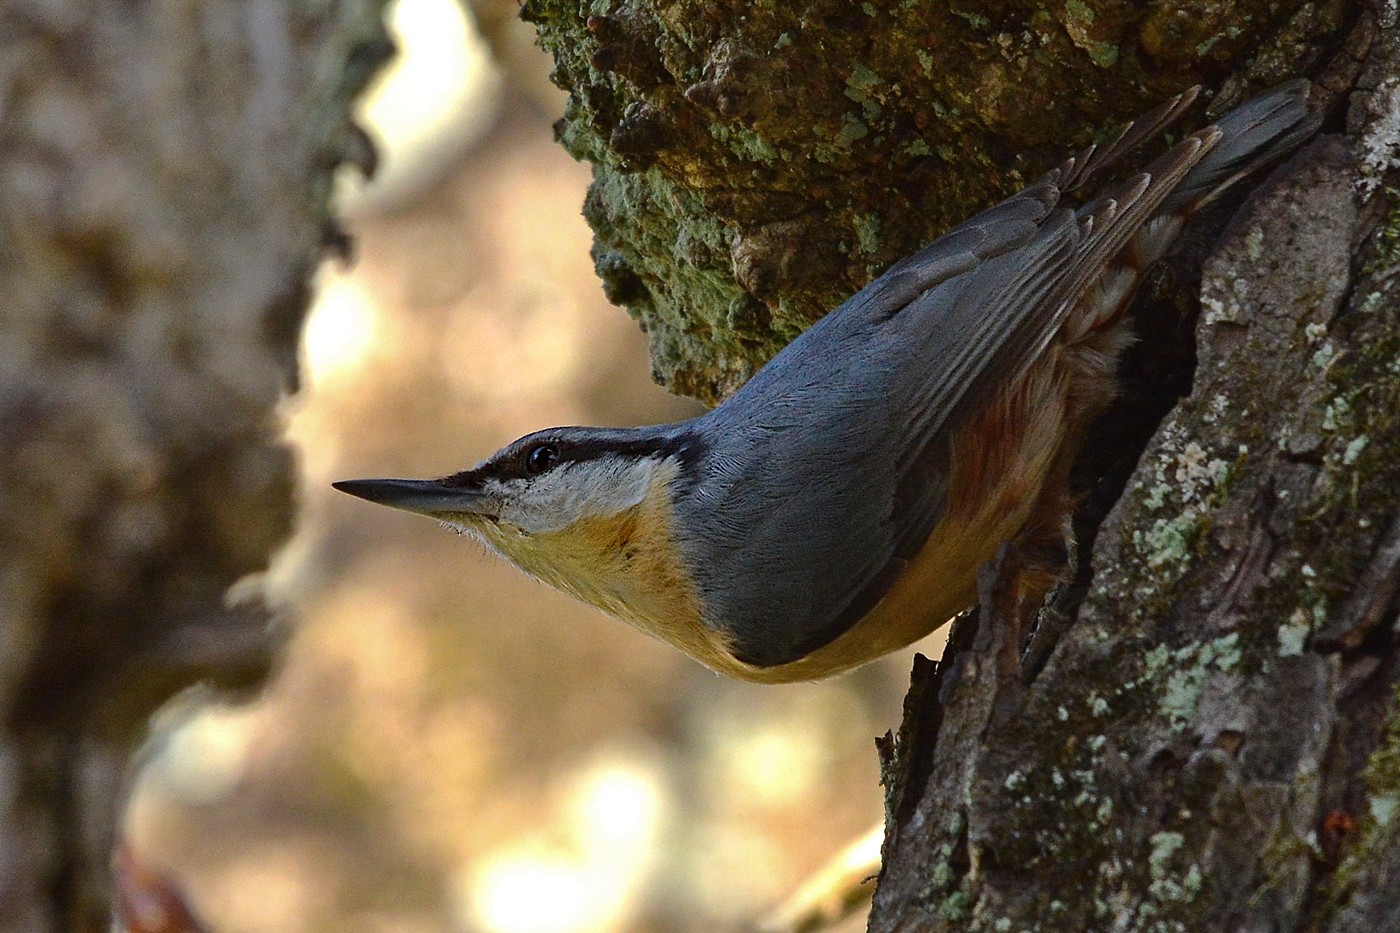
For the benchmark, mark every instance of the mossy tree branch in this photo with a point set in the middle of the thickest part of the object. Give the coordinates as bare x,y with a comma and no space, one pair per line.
1205,735
755,163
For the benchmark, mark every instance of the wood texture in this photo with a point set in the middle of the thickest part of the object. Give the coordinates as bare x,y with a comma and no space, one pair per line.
164,172
756,163
1211,743
1201,734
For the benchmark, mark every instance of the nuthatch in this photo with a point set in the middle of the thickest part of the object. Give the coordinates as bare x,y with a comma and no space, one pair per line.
838,506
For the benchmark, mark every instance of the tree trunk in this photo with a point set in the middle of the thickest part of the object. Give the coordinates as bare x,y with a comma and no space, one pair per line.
754,164
1200,734
1212,743
163,199
1207,745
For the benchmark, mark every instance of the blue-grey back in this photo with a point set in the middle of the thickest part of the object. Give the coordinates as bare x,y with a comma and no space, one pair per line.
820,477
828,469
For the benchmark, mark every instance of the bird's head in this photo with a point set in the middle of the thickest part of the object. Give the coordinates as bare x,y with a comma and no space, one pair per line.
588,510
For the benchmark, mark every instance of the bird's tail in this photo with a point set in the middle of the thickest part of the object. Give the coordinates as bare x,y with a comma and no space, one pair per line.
1254,134
1129,229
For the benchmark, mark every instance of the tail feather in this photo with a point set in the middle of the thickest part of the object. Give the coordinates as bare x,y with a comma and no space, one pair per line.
1185,178
1083,166
1254,134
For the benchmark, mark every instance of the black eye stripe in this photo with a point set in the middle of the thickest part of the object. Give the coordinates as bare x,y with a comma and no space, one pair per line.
581,445
540,457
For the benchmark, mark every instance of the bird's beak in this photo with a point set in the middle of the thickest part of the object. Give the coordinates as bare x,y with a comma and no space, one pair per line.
430,497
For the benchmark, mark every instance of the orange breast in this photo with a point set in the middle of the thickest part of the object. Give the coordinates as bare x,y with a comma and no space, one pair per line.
627,565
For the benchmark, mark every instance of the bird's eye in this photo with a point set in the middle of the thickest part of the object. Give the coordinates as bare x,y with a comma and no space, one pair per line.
540,458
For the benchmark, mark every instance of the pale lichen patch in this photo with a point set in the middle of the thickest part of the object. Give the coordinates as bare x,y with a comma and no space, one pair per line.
1191,667
1354,449
1378,148
1293,635
1190,479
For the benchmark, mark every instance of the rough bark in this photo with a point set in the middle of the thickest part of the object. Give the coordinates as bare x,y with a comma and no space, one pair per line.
755,163
1201,734
1211,743
164,172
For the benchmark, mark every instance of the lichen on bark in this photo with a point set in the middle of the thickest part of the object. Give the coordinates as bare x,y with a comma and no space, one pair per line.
1190,755
754,164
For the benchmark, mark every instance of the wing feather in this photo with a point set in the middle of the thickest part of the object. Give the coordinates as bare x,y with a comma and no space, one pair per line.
833,473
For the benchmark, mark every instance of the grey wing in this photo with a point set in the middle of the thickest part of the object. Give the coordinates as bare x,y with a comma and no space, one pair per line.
826,473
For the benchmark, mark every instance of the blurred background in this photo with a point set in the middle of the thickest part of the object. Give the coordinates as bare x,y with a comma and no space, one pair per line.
449,746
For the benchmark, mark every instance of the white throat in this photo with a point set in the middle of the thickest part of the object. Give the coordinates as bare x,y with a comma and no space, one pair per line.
556,499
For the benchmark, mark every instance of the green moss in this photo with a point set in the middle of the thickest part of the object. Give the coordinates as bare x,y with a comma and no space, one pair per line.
1382,808
744,142
1293,635
1164,846
1192,666
955,907
642,217
851,130
861,83
1187,484
1079,12
868,231
1377,831
1103,54
915,148
1079,20
976,20
943,891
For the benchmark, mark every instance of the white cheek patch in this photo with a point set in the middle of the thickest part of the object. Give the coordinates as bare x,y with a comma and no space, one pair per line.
559,498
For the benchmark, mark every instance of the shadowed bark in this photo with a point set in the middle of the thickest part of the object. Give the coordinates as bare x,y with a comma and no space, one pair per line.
163,199
1201,734
1210,743
756,163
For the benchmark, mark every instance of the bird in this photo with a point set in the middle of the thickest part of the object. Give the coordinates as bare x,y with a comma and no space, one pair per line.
839,505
